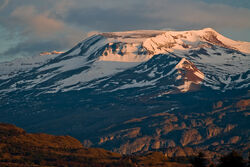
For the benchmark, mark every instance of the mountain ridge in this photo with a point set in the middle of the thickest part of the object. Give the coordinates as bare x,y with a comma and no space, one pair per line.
104,55
170,82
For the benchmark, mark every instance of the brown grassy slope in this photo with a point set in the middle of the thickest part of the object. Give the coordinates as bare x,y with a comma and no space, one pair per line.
18,148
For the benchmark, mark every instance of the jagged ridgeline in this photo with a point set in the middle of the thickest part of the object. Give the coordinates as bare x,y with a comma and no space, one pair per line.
175,91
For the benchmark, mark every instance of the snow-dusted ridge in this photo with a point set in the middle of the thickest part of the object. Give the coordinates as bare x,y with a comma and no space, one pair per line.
141,45
219,61
158,42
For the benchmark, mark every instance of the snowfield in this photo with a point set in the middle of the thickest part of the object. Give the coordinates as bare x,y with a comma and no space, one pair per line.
221,63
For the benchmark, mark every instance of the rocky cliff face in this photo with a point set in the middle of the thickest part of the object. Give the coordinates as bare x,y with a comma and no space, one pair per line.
223,128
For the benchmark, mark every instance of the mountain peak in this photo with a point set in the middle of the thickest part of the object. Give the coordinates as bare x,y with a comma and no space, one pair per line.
159,42
209,29
190,75
108,54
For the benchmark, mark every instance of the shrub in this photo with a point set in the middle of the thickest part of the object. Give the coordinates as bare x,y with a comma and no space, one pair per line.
199,161
233,159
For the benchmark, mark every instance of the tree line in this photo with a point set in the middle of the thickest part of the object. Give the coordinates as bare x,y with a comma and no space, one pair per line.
233,159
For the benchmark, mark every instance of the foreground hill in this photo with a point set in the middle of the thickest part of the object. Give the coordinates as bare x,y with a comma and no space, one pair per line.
18,148
136,91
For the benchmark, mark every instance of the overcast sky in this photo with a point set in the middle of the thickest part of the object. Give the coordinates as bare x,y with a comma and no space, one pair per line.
28,27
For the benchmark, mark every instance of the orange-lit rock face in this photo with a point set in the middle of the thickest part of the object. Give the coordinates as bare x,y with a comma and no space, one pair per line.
211,37
243,104
219,104
190,74
51,53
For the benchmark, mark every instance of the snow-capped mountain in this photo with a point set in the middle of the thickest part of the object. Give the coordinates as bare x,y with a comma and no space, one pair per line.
120,80
224,63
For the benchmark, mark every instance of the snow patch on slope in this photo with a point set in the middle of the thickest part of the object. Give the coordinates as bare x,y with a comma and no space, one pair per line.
11,69
98,69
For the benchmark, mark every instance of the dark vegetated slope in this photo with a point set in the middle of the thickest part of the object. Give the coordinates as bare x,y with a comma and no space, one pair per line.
18,148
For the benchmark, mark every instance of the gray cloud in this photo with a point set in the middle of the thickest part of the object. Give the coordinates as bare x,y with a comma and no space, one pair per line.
160,14
118,15
31,47
111,20
3,4
34,46
39,31
39,23
234,3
